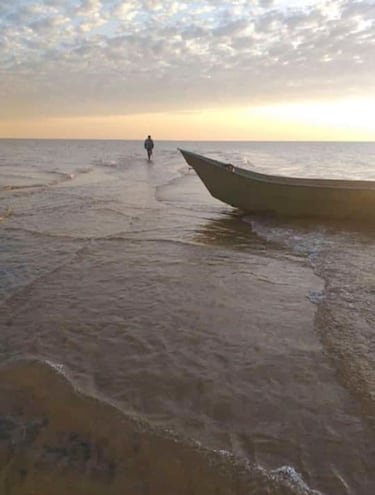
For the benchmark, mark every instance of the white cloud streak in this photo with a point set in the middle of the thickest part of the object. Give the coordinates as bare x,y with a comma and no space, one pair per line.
113,56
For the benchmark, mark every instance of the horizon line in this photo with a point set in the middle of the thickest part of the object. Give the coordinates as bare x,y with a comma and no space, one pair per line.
3,138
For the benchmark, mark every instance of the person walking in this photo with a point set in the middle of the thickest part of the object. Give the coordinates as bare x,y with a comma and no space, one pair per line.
149,146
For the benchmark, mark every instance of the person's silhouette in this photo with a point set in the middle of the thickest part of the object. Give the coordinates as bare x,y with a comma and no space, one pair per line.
149,146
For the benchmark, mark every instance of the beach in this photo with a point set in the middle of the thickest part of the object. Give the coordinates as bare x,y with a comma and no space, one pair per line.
156,341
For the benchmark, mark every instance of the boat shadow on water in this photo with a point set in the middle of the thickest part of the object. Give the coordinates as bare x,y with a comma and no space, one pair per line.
229,231
243,231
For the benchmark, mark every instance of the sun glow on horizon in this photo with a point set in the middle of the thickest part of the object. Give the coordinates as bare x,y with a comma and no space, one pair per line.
341,117
349,120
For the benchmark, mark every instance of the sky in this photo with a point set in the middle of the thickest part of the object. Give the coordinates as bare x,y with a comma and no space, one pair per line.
201,69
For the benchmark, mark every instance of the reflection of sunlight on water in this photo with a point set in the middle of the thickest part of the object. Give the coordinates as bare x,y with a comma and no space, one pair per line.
315,160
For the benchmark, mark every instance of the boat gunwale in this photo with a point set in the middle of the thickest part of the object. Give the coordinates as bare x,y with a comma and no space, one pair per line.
344,184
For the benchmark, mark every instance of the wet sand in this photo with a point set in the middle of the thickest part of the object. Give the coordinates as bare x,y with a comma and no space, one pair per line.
54,440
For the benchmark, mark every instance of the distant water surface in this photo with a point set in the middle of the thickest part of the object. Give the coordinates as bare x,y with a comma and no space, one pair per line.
156,341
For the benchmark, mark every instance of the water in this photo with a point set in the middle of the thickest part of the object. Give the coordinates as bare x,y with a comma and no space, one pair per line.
154,340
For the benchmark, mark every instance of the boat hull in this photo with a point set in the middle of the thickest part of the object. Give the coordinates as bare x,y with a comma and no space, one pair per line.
292,197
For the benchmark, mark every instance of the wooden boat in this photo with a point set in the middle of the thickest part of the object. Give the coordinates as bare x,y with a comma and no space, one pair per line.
285,196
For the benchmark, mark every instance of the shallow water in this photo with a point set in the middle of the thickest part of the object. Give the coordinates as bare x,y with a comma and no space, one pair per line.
237,351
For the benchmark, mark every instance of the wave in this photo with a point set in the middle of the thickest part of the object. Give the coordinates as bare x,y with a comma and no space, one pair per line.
106,163
14,187
44,179
54,439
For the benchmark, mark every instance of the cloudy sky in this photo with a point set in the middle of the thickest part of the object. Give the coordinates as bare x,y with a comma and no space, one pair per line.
188,68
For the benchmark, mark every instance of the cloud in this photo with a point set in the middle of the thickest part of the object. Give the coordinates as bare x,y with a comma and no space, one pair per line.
91,56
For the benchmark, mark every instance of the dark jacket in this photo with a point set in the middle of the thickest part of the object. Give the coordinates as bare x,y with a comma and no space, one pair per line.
149,144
